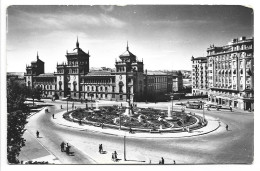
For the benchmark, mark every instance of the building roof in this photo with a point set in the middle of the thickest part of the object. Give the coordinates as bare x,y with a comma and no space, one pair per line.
47,75
99,73
19,74
127,53
156,73
200,58
77,50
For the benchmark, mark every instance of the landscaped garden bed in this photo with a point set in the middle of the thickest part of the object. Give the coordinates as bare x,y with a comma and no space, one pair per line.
142,118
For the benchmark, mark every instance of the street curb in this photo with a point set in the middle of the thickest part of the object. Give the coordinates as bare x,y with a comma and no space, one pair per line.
35,113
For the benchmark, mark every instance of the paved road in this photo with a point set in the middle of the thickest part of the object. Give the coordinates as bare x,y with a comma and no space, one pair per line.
234,146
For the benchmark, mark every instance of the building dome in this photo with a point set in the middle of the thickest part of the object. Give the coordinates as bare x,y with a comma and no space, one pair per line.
127,53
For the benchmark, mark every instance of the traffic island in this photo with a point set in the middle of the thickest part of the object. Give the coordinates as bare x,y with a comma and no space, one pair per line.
147,120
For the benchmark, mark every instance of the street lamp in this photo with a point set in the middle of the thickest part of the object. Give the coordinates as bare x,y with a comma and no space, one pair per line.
124,149
120,118
203,111
133,99
67,104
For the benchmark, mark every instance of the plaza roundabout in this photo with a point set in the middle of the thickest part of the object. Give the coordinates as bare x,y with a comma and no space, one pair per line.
133,121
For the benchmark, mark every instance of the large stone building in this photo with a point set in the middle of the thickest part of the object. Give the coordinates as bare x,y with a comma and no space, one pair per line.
74,78
199,76
230,75
231,78
157,85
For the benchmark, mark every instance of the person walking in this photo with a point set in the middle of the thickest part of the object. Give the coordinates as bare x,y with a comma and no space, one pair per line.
174,162
130,130
99,148
37,134
62,146
227,127
53,116
67,149
115,155
162,160
230,109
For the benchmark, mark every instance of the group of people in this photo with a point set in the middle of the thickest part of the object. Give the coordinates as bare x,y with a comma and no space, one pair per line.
161,161
64,147
114,156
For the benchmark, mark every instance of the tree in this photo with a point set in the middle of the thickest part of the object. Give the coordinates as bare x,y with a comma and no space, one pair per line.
16,94
16,119
35,93
15,128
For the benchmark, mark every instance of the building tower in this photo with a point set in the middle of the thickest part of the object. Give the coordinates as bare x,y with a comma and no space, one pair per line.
129,77
69,74
36,68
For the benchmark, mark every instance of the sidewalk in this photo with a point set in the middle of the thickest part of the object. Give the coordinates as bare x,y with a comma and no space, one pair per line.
35,151
213,124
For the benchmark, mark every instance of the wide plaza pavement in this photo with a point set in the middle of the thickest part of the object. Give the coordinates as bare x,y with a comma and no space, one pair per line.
214,128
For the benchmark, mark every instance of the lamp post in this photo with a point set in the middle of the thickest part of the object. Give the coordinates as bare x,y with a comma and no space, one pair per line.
124,149
133,99
203,111
67,104
120,118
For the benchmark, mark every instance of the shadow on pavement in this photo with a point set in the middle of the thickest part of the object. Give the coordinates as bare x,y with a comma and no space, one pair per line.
135,160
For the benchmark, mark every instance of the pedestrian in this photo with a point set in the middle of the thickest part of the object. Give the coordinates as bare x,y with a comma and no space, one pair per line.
130,130
102,125
227,127
99,148
61,106
113,157
231,109
53,115
162,160
174,162
67,149
62,146
115,153
37,134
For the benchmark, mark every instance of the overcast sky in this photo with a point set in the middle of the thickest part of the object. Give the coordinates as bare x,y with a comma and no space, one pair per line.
165,37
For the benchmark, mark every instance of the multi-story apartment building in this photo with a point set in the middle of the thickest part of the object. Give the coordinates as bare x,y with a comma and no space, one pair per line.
199,76
231,73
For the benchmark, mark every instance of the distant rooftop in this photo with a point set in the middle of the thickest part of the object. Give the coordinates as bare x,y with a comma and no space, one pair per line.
46,75
99,73
156,73
15,74
200,58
